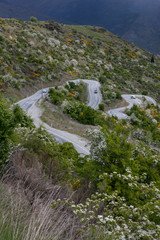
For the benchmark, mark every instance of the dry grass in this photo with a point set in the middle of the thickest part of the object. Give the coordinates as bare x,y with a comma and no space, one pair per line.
25,206
56,119
19,220
117,104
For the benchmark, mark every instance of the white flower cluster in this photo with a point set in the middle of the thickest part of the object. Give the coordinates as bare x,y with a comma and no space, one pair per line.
31,34
53,42
74,62
139,134
97,143
80,51
101,51
64,47
69,105
119,221
108,67
133,118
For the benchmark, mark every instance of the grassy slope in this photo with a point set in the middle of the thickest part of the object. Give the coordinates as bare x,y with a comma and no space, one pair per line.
29,62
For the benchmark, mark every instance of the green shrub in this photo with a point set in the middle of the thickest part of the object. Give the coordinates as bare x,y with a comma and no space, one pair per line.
67,86
101,106
145,92
143,119
102,79
72,85
81,112
108,74
118,95
1,39
56,159
33,19
9,120
56,97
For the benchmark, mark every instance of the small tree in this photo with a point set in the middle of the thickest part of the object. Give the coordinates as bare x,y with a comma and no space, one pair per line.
152,59
101,106
102,79
118,95
33,19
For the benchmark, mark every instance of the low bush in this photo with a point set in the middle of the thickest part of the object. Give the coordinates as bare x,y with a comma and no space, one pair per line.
101,106
102,79
56,97
147,120
56,159
80,112
33,19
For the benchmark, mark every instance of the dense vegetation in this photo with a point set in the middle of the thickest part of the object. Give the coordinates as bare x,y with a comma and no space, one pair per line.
119,181
9,121
146,124
111,194
69,102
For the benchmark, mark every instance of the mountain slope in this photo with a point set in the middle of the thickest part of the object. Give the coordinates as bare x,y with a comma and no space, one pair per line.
36,54
47,191
144,31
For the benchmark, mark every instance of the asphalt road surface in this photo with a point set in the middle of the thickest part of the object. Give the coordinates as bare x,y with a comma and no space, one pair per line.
81,144
131,100
29,105
94,92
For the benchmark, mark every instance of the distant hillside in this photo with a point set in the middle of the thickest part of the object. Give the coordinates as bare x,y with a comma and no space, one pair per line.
36,54
136,21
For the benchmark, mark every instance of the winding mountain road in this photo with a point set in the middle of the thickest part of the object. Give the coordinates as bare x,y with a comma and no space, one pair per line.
81,144
29,105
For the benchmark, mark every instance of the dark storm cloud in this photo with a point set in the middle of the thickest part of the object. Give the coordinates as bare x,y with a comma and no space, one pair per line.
145,6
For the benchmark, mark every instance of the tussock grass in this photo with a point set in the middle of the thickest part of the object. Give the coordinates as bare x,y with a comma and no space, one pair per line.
26,196
20,221
25,205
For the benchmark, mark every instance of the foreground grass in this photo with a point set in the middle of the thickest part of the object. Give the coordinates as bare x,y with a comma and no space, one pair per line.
21,221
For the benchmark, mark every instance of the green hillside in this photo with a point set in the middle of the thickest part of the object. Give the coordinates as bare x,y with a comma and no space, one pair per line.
36,54
48,190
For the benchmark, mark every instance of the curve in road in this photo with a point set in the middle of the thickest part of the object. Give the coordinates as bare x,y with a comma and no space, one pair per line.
61,136
81,144
131,99
94,99
94,92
